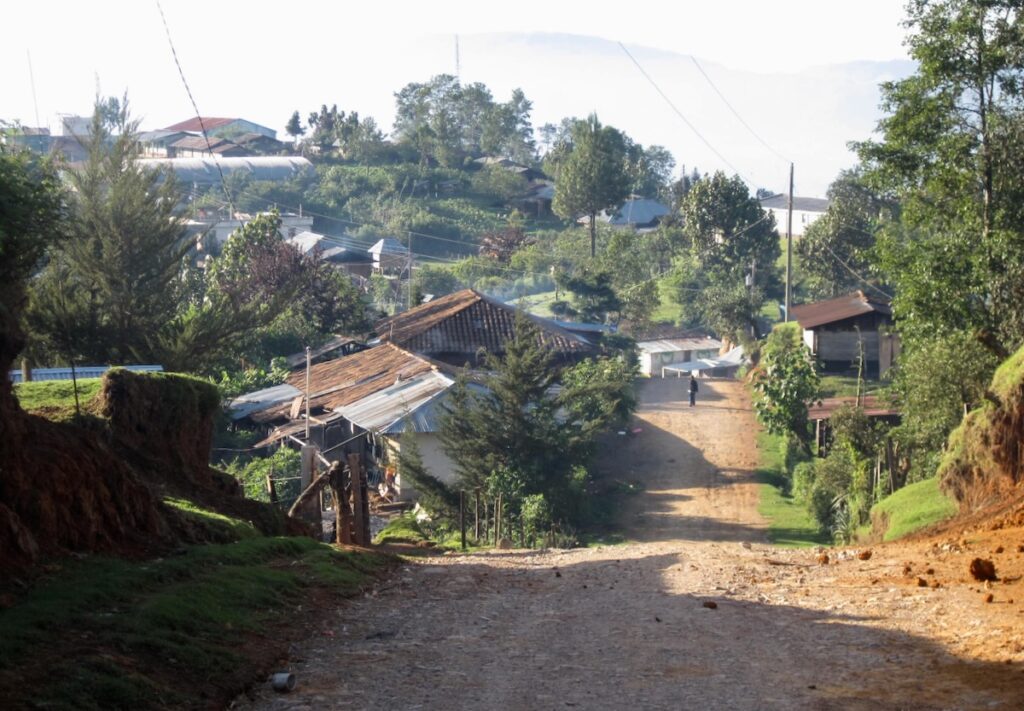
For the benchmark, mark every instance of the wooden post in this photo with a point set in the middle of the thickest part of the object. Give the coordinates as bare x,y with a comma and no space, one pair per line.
476,522
342,514
364,501
356,474
271,490
462,517
498,519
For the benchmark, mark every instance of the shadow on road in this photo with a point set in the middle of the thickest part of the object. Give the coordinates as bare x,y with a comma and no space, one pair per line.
606,633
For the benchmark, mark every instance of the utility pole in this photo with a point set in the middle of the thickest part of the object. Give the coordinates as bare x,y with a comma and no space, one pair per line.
308,362
789,246
458,67
410,271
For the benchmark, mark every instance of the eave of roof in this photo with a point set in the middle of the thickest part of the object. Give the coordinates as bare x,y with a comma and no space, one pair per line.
839,309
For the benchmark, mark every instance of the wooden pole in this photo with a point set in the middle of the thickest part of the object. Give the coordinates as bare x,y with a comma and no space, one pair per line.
344,511
358,492
476,521
462,517
497,521
364,502
271,489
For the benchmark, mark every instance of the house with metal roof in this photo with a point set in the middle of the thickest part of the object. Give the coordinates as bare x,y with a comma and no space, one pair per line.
389,256
636,213
805,211
344,252
658,354
455,328
837,331
364,403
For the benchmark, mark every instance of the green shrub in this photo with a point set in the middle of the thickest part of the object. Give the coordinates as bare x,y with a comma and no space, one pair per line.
804,476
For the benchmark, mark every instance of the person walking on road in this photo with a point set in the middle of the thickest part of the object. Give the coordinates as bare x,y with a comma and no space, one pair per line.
693,390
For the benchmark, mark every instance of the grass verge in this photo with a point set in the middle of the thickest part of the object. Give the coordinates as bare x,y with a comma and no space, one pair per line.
56,396
911,508
187,631
789,523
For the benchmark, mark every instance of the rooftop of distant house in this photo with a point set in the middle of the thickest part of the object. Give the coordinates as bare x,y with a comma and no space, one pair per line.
839,309
804,204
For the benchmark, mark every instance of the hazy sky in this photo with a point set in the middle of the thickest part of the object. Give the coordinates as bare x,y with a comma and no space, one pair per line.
263,60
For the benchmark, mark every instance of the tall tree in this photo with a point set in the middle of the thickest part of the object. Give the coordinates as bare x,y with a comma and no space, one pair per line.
592,177
294,127
127,247
949,154
839,246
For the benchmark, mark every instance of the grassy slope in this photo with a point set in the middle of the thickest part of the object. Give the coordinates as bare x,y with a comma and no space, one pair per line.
57,394
913,507
113,633
789,523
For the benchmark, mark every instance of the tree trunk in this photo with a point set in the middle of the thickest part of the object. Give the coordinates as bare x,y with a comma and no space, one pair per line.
593,234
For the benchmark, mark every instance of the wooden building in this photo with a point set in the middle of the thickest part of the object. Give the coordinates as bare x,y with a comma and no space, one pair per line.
838,331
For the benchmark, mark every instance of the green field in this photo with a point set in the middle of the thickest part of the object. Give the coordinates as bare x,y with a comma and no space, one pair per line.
57,394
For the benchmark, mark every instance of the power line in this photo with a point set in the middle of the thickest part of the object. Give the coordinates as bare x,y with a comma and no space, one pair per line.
202,125
680,114
858,276
735,112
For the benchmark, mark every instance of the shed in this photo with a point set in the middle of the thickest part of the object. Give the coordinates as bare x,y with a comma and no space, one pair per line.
654,355
836,331
389,255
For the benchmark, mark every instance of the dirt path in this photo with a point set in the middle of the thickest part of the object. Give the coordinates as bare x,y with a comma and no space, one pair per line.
699,613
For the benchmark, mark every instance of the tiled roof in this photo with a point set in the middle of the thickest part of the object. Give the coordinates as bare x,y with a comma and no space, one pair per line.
342,381
838,309
467,321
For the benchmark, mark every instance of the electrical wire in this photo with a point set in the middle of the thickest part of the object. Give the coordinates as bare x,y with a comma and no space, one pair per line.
202,125
685,120
735,112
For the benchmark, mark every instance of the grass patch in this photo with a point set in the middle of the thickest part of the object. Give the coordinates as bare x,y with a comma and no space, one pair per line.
401,529
789,523
216,525
56,397
913,507
111,633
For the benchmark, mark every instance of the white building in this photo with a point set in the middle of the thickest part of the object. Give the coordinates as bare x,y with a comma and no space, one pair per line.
805,211
654,355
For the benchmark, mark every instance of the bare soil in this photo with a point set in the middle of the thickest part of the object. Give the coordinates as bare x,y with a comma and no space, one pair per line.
697,612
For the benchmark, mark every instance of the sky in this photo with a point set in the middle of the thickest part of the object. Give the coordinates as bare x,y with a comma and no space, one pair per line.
264,60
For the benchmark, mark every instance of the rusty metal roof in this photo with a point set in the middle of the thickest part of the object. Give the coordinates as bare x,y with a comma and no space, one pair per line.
872,405
839,309
465,322
345,380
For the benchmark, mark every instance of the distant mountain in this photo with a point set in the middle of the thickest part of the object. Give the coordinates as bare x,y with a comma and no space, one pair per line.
807,117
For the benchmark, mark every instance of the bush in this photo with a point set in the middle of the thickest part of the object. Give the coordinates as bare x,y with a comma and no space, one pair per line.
284,463
804,476
536,515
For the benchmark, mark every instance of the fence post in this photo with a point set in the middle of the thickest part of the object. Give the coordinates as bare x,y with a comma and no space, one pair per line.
462,517
358,492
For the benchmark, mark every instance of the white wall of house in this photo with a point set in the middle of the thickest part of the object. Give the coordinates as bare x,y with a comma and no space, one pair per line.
652,363
436,462
802,219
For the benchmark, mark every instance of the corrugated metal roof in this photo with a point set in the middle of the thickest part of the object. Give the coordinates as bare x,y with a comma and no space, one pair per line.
674,345
636,212
872,405
465,322
195,124
838,309
85,371
342,381
258,400
388,245
804,204
386,408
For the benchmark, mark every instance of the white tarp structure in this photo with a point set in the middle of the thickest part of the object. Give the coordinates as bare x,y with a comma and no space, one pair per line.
733,359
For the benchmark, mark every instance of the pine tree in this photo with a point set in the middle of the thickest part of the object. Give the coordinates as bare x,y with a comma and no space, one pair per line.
127,246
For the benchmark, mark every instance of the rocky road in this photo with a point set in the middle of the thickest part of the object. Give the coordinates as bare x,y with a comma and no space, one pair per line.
698,611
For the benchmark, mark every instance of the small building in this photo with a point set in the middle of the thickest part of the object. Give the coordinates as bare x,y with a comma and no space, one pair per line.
261,145
655,355
156,144
457,327
805,211
226,127
640,214
211,234
838,331
343,252
389,256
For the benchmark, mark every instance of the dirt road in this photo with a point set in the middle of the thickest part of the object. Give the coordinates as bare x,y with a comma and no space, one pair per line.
698,613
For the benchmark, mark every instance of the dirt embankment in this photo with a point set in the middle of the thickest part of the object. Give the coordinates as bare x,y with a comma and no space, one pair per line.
97,484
